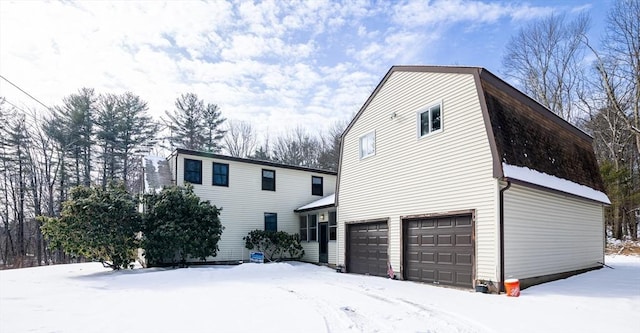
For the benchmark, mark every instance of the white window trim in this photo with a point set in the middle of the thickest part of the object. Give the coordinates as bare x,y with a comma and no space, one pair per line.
428,109
360,151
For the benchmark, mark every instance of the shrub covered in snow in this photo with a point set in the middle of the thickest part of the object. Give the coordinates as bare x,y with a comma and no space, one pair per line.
276,245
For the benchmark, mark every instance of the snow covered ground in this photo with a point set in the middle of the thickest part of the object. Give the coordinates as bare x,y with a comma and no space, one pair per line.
297,297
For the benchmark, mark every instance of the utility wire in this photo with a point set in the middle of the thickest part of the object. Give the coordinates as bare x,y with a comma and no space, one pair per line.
4,99
26,93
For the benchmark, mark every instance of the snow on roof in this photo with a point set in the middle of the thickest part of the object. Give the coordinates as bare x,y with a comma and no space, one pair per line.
553,182
326,201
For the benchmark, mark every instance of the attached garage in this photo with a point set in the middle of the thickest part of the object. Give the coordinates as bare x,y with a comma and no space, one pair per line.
367,251
439,250
477,182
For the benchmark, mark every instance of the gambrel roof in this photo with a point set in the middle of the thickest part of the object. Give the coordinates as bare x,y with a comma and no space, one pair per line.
522,132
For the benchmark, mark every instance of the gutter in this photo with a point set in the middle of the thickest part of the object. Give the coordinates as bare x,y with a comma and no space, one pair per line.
504,189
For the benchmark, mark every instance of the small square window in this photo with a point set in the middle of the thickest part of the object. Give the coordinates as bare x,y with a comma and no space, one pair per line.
270,222
192,171
430,120
316,185
368,145
268,180
220,174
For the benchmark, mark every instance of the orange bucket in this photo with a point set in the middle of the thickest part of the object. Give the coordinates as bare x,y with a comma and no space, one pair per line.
512,287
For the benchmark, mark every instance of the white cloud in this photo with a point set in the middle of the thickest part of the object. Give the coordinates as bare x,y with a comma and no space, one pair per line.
431,13
274,63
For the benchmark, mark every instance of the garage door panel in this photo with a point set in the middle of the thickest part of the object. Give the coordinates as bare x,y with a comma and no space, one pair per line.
367,248
463,221
428,224
464,259
445,276
444,223
444,253
445,240
464,240
427,240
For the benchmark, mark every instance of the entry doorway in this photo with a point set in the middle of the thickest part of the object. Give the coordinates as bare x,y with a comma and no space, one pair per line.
323,239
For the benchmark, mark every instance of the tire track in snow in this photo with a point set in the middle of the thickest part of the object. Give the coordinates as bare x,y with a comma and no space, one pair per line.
443,321
367,311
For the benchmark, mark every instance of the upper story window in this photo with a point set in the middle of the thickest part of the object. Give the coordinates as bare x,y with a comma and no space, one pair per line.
270,222
368,144
430,120
316,185
192,171
220,174
268,180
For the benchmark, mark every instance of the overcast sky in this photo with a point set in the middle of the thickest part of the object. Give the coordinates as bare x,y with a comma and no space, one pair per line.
277,64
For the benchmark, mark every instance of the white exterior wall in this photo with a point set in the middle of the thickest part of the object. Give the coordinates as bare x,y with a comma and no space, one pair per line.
442,172
244,202
548,233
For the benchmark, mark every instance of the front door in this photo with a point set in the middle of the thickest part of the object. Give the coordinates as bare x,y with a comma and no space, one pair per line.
324,242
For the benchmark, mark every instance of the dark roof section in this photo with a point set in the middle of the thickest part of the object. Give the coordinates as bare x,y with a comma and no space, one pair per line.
521,131
252,161
529,135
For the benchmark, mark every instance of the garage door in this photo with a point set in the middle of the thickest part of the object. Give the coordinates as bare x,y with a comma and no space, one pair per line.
367,248
439,250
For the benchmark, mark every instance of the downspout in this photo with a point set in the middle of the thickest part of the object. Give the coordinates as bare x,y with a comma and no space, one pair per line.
504,189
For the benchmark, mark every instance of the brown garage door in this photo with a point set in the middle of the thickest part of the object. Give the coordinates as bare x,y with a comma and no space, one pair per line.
439,250
367,248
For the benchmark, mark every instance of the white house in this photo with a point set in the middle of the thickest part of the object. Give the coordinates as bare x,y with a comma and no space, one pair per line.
253,194
452,176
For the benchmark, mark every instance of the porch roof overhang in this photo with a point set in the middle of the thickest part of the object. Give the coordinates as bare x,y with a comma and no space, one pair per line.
327,202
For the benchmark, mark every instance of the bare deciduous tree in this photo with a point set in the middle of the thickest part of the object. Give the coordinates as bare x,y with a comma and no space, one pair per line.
545,59
240,139
297,147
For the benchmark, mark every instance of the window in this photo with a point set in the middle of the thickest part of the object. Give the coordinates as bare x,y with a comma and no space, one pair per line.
303,228
316,185
270,222
332,226
313,227
268,180
193,171
430,120
368,145
220,174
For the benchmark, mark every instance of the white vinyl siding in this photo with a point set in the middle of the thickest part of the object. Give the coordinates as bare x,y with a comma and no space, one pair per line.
547,233
311,252
244,202
451,171
333,255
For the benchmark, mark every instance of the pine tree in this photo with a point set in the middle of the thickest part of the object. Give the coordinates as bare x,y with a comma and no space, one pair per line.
194,125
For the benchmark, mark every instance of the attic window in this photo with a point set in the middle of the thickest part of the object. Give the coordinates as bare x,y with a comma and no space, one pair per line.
430,120
368,144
